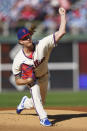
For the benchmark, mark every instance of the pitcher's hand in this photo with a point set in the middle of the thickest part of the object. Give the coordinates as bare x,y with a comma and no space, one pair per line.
62,11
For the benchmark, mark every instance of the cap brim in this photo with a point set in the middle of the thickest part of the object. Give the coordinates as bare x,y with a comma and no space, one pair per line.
25,35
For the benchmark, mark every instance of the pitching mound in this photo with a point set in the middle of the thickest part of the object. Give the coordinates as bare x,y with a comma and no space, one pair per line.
62,120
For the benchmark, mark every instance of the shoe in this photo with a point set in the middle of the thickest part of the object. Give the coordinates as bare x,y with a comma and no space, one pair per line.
20,107
45,122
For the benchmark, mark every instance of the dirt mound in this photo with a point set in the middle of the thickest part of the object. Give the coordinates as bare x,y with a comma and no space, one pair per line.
62,120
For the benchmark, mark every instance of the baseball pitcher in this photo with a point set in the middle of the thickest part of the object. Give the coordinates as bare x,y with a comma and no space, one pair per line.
30,67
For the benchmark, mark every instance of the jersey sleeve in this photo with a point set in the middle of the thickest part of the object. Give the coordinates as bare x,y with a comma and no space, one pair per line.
16,69
46,44
48,41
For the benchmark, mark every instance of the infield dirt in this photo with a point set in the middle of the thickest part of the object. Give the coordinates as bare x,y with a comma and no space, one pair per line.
62,120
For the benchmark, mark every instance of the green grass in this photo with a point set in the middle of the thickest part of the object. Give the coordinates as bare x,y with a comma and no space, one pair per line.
67,98
11,99
54,98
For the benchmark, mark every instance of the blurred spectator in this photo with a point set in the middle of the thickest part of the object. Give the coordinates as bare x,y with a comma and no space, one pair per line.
65,4
77,20
54,3
28,13
13,12
49,25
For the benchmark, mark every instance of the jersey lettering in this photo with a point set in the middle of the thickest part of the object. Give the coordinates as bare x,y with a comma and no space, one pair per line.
37,62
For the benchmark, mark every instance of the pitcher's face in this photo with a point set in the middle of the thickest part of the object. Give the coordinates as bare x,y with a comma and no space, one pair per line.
26,41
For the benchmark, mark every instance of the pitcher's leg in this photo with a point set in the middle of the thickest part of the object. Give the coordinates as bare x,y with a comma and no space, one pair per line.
43,84
35,93
43,91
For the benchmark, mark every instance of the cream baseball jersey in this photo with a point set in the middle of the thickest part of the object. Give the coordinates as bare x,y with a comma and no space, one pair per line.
38,59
